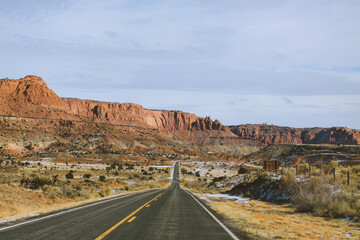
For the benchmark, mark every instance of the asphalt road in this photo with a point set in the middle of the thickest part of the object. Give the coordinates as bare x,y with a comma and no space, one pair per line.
170,213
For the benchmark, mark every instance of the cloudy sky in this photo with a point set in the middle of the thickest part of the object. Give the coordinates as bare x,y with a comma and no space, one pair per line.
290,63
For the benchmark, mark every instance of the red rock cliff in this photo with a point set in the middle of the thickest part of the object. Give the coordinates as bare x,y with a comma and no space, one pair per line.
122,112
31,97
276,134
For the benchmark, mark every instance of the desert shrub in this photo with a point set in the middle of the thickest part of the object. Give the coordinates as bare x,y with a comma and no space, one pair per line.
319,197
105,192
71,192
329,167
312,195
355,169
102,178
52,192
69,175
288,179
87,175
342,205
154,185
35,182
243,170
303,168
197,174
218,179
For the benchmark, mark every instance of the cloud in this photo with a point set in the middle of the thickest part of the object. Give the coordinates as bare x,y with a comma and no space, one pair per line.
232,48
287,100
111,34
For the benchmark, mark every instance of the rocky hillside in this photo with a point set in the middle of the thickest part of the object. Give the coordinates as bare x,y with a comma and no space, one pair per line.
31,97
35,118
314,154
130,112
268,134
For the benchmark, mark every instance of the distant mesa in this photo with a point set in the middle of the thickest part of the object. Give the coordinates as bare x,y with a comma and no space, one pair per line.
30,97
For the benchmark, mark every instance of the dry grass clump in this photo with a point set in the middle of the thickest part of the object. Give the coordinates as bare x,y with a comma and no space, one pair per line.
322,198
16,201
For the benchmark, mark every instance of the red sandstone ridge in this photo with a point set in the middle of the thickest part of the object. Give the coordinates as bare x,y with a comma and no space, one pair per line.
275,134
31,97
130,112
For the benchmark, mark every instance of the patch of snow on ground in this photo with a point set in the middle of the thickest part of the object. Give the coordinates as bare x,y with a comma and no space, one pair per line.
276,177
227,196
172,172
161,166
206,199
14,219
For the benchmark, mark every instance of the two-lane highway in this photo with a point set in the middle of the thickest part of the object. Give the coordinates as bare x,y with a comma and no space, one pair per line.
170,213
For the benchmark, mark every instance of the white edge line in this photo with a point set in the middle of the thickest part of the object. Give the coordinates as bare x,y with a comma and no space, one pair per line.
70,210
215,218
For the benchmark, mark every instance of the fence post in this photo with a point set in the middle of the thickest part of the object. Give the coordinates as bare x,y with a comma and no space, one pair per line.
348,178
296,169
334,175
309,170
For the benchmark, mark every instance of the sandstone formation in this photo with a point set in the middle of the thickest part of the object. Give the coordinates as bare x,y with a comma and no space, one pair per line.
34,119
130,112
268,134
31,97
30,112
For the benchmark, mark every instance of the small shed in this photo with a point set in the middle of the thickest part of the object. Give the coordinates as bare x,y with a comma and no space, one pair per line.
271,165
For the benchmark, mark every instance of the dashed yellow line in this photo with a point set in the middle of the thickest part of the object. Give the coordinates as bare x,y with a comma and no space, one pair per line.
126,218
132,219
148,205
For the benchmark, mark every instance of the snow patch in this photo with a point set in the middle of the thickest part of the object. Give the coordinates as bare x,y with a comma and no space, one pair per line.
226,196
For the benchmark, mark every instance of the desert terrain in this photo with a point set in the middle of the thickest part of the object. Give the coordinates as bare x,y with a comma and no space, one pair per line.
60,153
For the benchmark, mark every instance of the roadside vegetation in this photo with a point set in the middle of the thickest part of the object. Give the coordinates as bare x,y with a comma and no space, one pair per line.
263,220
33,187
328,190
303,202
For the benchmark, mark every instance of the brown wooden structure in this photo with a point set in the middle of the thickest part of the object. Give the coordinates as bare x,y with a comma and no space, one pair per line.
271,165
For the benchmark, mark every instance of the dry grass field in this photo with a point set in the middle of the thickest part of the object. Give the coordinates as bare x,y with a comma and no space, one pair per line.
263,220
35,187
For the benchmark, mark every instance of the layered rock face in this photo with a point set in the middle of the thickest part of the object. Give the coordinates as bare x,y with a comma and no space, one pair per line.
130,112
276,134
31,97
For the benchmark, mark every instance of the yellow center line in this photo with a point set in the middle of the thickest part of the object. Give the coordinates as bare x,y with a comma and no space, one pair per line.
125,219
148,205
131,219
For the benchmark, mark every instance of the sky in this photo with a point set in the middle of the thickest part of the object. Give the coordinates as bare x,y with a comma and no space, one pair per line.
282,62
